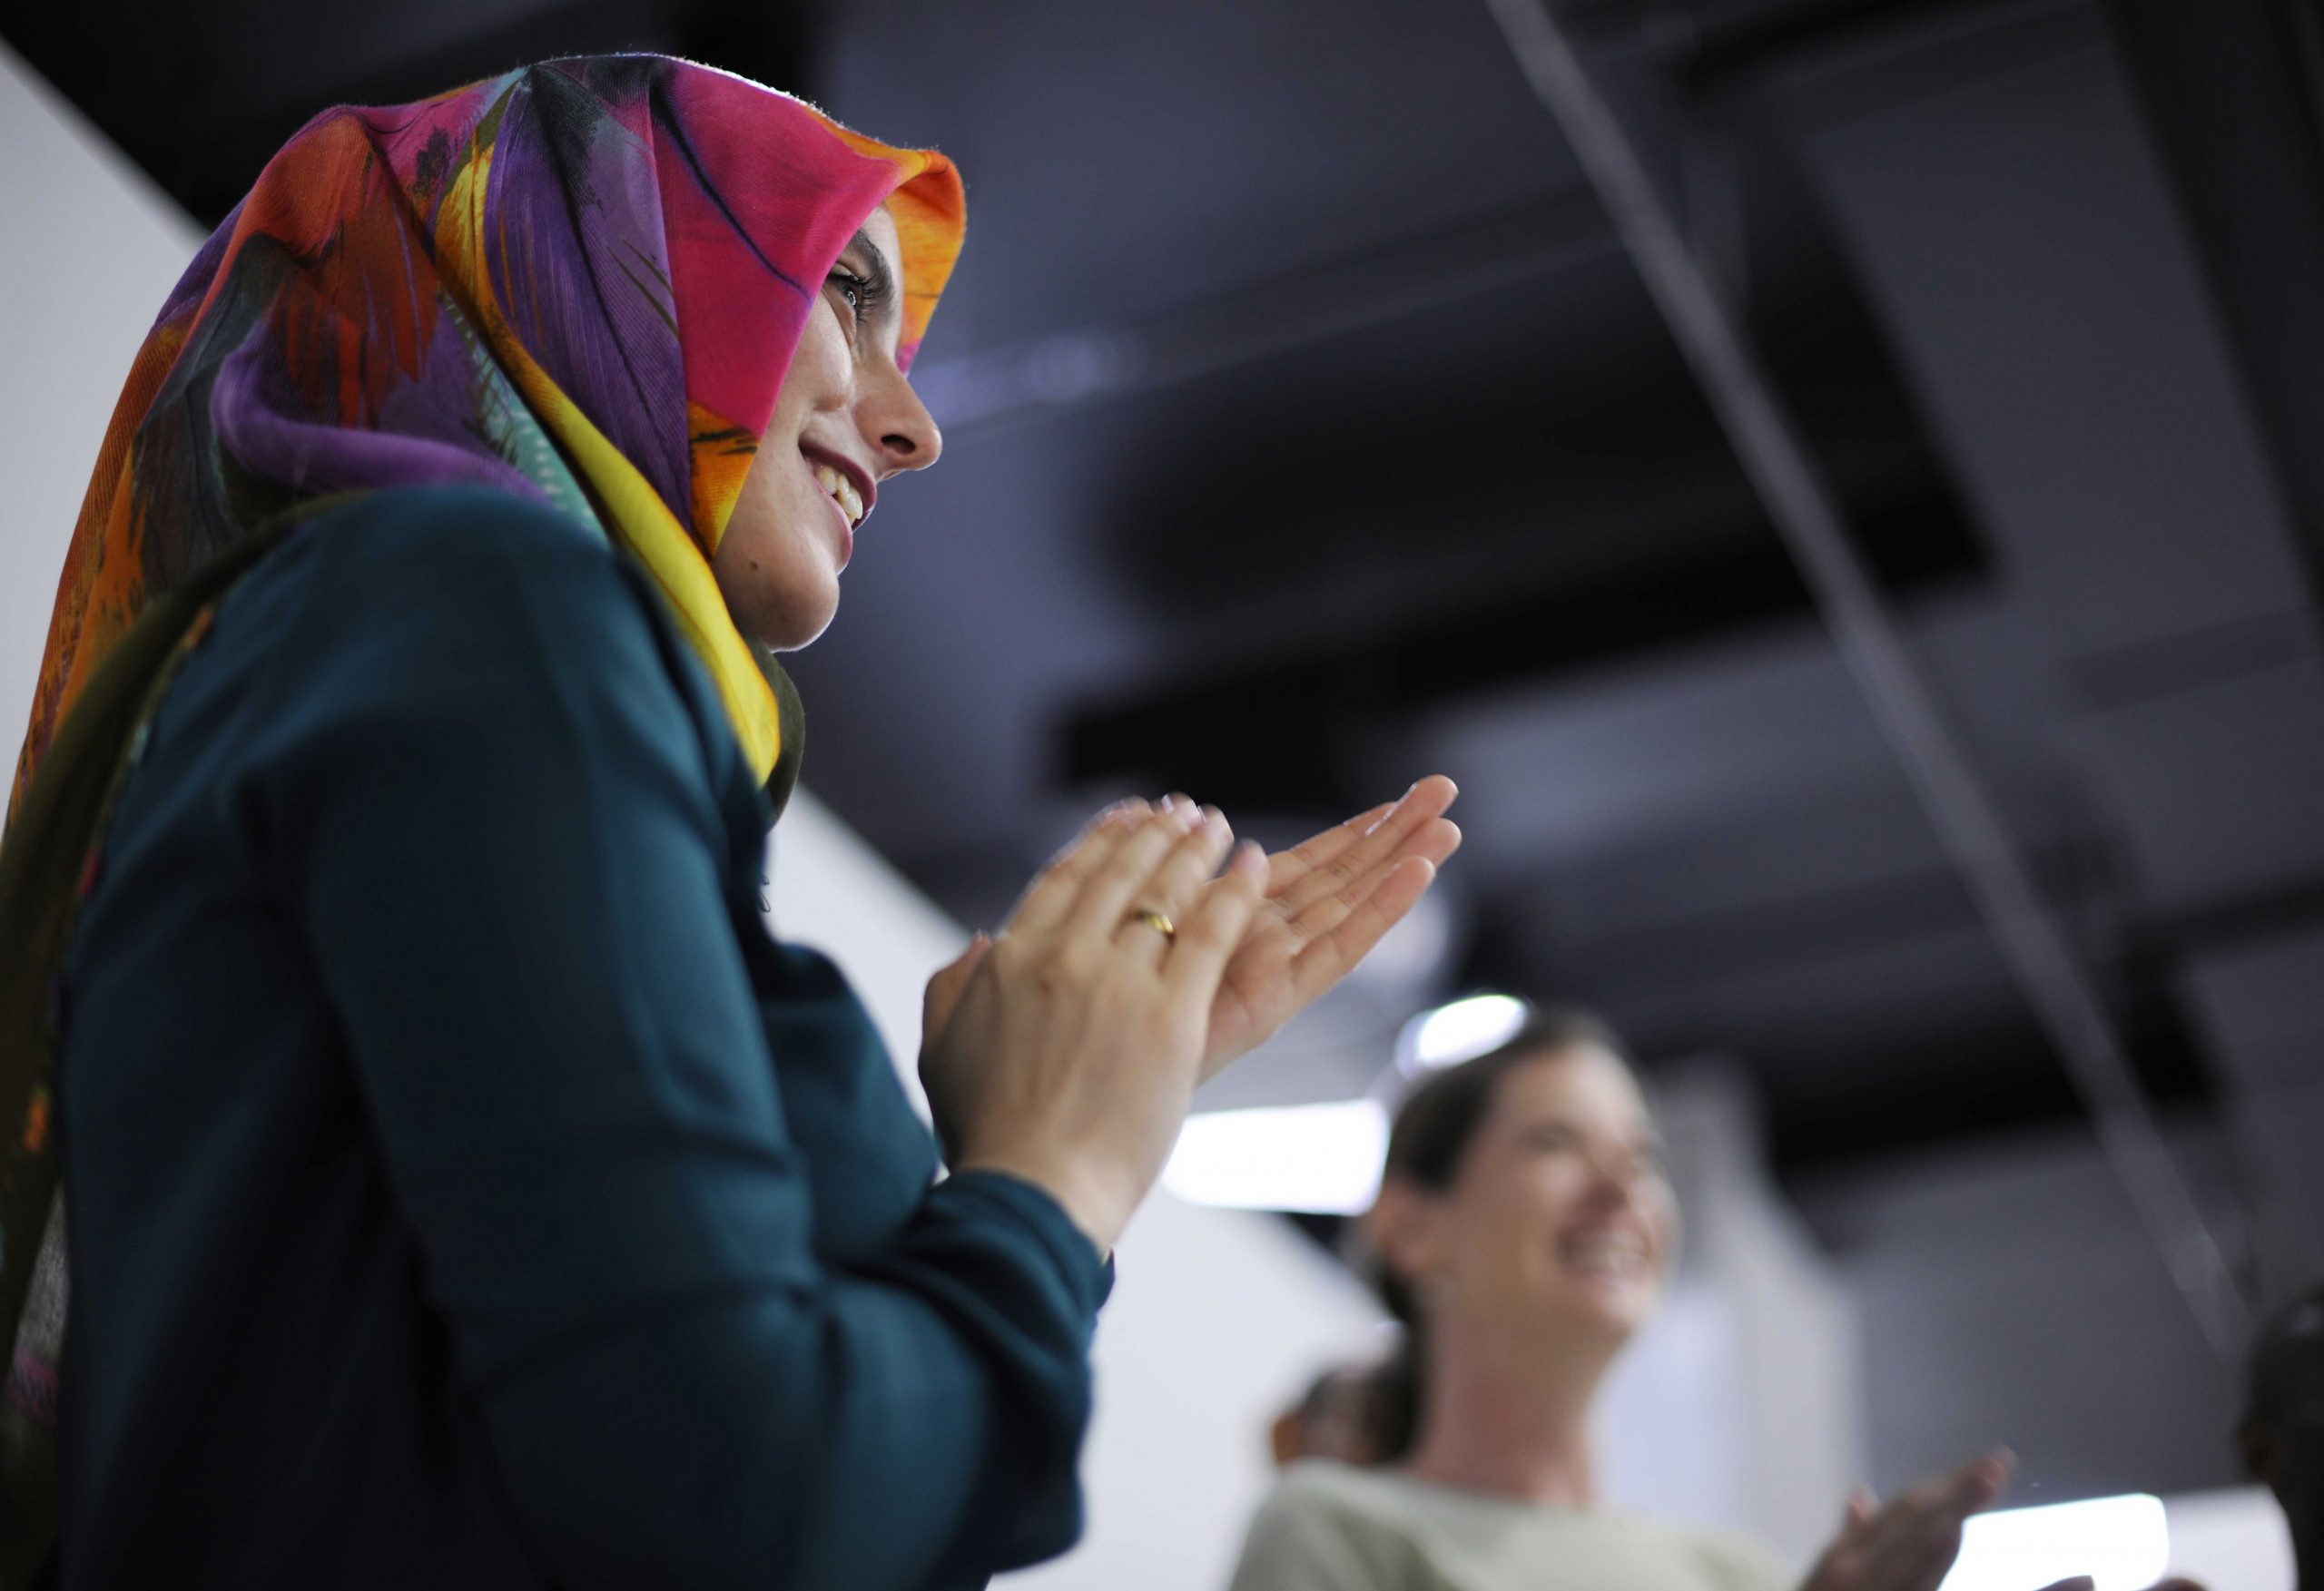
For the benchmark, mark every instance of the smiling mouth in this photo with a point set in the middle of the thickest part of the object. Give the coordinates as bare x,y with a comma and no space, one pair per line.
1601,1253
841,491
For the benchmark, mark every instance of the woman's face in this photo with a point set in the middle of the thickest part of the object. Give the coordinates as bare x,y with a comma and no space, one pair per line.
1560,1219
844,421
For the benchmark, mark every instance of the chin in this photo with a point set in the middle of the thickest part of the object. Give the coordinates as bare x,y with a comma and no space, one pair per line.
783,621
805,632
1605,1313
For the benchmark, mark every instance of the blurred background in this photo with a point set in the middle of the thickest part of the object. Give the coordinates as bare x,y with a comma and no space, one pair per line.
1309,430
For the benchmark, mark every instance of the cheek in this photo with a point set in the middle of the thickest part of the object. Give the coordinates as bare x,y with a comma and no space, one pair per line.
1514,1222
1662,1214
820,368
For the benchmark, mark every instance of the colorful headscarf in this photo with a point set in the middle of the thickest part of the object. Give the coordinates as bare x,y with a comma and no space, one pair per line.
581,282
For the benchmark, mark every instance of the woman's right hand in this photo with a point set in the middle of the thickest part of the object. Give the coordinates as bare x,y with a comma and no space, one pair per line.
1909,1543
1072,1047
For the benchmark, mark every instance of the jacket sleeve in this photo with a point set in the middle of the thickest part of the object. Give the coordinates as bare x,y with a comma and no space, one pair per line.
492,810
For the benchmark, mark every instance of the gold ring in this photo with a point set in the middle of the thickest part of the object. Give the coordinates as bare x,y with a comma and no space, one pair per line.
1159,921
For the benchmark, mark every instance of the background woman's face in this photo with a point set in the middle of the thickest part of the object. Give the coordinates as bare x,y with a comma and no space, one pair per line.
1561,1216
844,421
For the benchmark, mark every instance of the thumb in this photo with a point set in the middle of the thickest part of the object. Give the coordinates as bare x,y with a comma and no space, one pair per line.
944,989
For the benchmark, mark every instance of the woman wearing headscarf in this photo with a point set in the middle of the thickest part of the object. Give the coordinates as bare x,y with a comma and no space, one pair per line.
455,1184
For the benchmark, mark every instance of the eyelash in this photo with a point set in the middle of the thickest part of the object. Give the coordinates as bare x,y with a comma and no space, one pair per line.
856,290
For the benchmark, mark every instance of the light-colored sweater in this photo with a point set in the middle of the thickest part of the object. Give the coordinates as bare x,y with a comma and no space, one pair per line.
1332,1528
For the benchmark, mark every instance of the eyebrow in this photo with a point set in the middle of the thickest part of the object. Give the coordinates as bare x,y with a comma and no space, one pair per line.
877,275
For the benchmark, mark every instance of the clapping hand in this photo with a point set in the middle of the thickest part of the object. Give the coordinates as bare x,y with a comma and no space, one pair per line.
1328,900
1909,1543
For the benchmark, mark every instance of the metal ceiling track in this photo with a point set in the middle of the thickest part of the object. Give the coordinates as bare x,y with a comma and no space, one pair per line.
1774,454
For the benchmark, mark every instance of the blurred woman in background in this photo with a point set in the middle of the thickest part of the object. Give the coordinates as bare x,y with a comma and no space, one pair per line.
1525,1231
464,1189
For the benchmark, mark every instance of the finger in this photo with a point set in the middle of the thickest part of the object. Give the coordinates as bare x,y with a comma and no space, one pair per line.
1365,843
1206,940
1423,803
944,990
1174,886
1108,893
1049,897
1914,1539
1862,1506
1895,1526
1287,867
2083,1583
1434,841
1323,962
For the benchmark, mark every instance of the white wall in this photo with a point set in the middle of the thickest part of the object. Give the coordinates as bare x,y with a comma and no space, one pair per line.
1739,1406
88,251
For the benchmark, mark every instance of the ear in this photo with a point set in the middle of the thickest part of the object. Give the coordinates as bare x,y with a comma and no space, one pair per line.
1405,1228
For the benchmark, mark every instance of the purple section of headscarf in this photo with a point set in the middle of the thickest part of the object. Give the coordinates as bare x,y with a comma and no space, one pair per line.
574,235
316,457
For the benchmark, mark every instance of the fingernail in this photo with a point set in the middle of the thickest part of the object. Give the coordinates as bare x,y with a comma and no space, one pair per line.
1214,822
1186,816
1250,860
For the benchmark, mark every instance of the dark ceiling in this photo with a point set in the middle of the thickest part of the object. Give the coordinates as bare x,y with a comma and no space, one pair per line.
1308,430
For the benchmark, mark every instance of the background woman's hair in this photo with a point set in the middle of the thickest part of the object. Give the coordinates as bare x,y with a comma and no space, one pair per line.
1434,1127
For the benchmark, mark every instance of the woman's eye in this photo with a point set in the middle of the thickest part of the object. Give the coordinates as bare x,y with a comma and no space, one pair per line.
851,288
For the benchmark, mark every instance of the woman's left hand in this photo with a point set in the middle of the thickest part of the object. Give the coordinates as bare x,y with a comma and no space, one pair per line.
1329,901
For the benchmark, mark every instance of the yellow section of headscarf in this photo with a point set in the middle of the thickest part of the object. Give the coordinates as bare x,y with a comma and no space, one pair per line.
639,518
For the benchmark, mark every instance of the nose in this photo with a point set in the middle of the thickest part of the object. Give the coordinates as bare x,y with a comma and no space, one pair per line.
1616,1177
903,433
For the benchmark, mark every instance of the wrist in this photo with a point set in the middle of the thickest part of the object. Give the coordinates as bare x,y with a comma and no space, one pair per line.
1089,1196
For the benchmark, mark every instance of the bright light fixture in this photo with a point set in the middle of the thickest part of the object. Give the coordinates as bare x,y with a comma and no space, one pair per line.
1459,1031
1321,1159
2123,1543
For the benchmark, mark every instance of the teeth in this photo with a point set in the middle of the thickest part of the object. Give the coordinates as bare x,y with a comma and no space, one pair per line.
841,491
1605,1251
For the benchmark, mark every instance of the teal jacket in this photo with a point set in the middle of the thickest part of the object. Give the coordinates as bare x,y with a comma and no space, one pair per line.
462,1188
